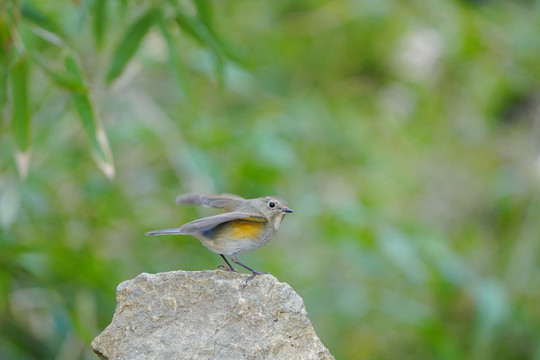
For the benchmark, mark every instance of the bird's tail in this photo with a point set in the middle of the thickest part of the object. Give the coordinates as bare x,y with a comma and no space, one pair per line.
174,231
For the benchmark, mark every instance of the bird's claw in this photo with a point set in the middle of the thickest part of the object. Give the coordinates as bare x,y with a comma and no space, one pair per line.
225,268
253,274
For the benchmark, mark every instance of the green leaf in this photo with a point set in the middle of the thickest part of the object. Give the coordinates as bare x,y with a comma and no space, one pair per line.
3,84
195,28
5,33
174,60
21,126
21,112
200,29
204,11
99,21
3,88
123,5
43,23
90,120
61,79
130,43
5,57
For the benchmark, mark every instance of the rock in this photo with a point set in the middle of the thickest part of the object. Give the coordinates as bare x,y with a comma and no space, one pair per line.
208,315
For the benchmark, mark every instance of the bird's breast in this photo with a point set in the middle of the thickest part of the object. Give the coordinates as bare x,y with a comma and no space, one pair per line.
235,230
236,236
245,230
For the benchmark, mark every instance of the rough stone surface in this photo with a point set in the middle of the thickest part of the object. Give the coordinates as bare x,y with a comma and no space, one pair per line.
208,315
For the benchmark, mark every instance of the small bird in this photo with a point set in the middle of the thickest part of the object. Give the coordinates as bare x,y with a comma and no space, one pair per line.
246,225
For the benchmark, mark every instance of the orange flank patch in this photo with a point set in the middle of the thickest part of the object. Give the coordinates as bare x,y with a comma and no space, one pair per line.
245,229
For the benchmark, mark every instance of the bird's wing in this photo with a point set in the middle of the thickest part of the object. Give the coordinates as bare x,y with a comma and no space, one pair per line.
211,221
226,201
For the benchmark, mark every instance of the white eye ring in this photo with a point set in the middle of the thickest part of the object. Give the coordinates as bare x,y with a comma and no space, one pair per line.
271,204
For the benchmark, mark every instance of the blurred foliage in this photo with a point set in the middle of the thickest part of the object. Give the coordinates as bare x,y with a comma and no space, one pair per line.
405,135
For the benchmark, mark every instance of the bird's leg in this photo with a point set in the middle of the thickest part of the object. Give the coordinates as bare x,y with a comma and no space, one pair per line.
234,258
230,268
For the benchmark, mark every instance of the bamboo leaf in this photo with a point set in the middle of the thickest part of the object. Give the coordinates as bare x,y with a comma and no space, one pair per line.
6,53
99,21
124,4
200,29
194,27
5,33
45,24
4,59
174,60
204,10
89,116
61,79
20,122
3,87
130,43
21,112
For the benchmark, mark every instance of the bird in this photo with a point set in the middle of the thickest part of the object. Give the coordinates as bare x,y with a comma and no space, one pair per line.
245,225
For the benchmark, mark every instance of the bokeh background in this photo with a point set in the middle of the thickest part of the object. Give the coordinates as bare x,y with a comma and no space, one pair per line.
404,134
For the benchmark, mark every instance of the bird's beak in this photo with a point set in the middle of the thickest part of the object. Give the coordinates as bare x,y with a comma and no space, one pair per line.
287,210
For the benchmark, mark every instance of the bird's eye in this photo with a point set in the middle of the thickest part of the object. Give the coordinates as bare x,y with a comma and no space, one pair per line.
271,204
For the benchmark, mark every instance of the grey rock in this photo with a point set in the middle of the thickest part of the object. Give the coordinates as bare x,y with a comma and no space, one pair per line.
208,315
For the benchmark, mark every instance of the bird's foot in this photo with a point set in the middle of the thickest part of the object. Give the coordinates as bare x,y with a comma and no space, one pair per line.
225,268
253,274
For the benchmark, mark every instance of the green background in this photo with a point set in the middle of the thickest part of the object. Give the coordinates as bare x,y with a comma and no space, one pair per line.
405,135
